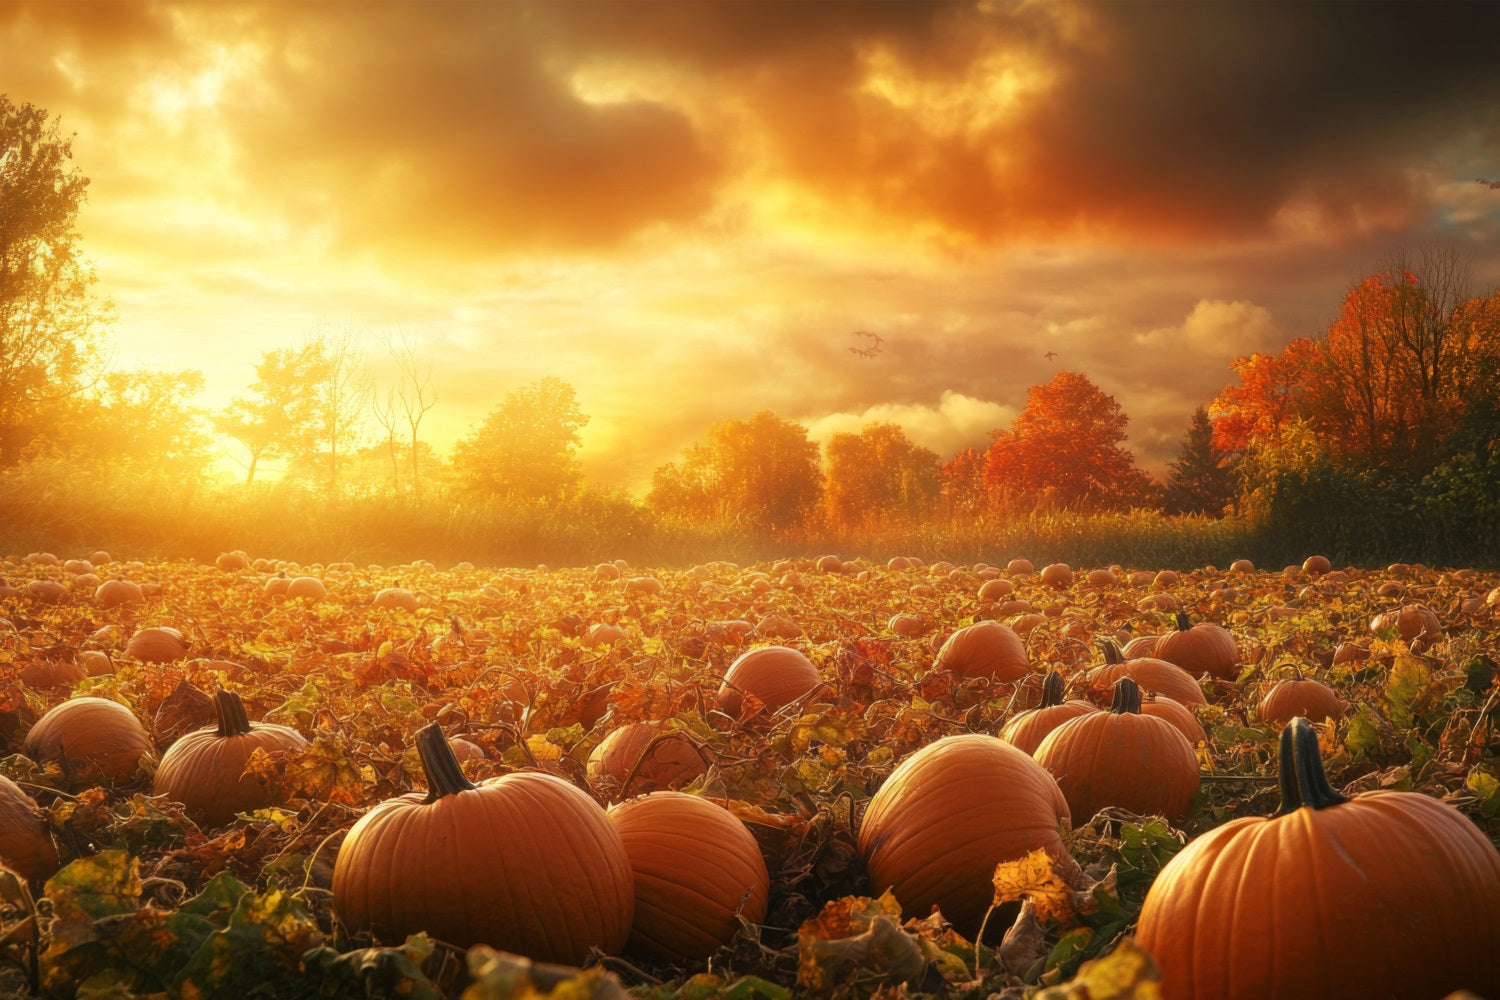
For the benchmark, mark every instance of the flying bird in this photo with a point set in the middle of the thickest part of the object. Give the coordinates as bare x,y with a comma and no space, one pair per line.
1050,355
1488,184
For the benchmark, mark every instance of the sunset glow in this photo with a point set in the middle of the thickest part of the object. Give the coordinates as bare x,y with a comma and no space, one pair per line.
686,210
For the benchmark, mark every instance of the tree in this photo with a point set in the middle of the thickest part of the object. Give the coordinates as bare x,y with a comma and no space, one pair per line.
761,473
1064,451
1201,480
414,393
280,419
50,321
524,449
963,490
341,391
878,475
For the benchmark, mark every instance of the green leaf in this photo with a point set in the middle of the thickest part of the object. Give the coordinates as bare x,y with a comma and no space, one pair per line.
1486,788
1361,736
1408,676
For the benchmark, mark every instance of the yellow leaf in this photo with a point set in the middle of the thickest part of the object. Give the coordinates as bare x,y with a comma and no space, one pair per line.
543,749
1127,973
1034,878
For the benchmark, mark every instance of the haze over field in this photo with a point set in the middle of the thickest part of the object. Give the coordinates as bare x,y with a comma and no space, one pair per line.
687,210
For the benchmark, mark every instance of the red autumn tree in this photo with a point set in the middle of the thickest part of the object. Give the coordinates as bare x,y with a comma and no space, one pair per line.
1064,451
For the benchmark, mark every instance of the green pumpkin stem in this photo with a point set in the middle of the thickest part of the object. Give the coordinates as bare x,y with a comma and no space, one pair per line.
1183,622
231,712
1127,700
1052,689
1112,652
444,775
1303,780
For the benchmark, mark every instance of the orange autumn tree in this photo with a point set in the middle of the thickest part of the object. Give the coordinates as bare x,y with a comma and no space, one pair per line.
1064,450
876,476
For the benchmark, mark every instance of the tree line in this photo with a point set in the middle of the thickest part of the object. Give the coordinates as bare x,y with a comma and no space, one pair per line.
1387,418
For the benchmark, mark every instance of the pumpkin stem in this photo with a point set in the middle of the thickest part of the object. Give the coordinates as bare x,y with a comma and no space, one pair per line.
1303,780
1052,689
1112,653
1127,700
1183,622
231,712
444,775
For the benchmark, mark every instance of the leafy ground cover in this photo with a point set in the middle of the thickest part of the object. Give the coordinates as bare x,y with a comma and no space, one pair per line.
537,666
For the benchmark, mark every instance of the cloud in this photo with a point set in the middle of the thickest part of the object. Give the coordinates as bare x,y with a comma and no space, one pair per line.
955,423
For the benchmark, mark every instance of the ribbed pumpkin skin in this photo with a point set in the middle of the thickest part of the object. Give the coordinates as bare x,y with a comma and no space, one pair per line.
25,845
94,740
1203,648
673,761
1180,716
1027,730
777,675
524,863
1152,674
1392,894
1136,762
1308,698
693,862
985,649
157,645
204,770
948,814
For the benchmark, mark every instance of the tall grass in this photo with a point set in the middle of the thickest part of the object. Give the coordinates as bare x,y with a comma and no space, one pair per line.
71,510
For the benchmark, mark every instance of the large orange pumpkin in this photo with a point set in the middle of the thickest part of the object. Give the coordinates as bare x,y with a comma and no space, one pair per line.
1387,894
26,845
951,812
984,649
157,645
1122,758
525,862
1150,672
205,769
777,675
698,872
1027,729
93,740
1199,649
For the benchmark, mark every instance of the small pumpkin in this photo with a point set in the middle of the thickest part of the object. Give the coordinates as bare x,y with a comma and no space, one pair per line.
45,673
948,814
698,873
776,675
1019,567
46,591
307,588
157,645
1181,717
1058,575
906,626
1122,758
26,846
1026,731
643,757
396,597
984,649
1301,696
524,862
1309,894
205,769
1151,673
1416,624
1316,565
1199,649
112,593
996,589
93,740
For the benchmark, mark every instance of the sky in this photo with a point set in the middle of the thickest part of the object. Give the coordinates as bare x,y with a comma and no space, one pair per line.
692,212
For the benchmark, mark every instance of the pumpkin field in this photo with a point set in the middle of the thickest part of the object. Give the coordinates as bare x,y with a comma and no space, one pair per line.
811,777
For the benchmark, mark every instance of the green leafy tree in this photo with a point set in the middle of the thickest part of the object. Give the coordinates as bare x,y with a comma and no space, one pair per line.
879,475
525,448
1201,480
760,473
50,321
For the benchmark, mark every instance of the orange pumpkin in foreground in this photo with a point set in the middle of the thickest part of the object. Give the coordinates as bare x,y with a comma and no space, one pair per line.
985,649
525,863
777,675
26,846
93,740
1199,649
1302,696
948,814
205,769
1387,894
698,872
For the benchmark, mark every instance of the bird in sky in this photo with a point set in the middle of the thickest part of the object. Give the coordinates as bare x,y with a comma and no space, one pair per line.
1050,355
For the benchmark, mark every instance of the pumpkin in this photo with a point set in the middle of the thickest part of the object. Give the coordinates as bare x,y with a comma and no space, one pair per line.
93,740
948,814
1298,695
96,662
1057,575
1019,567
1415,624
1199,649
829,564
308,588
1179,715
606,571
112,593
649,585
996,589
1026,731
984,649
205,770
642,757
777,675
524,862
26,846
1387,894
1165,578
1242,567
46,591
466,751
905,626
157,645
1122,758
396,597
1316,565
605,634
232,562
275,586
1151,673
698,872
